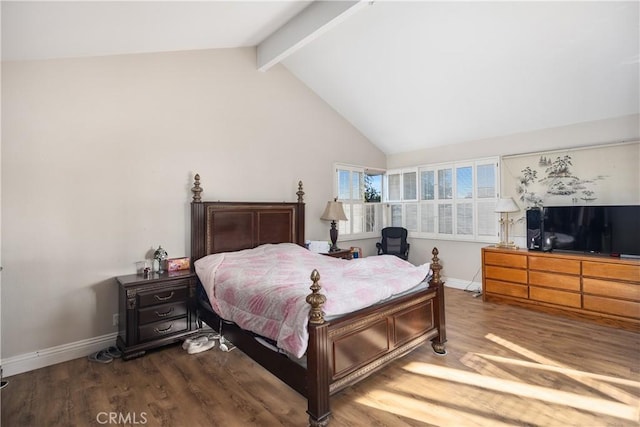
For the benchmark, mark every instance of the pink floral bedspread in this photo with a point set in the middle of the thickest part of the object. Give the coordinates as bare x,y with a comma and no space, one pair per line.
264,289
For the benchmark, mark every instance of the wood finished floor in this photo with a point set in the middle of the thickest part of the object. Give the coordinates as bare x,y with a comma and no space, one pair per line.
505,366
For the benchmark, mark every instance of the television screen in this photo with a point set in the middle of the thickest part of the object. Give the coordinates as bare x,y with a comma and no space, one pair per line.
595,229
625,233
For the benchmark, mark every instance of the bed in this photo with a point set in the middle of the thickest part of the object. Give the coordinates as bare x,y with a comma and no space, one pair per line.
340,351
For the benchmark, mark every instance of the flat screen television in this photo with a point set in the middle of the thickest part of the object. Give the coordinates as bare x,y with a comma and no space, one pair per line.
608,230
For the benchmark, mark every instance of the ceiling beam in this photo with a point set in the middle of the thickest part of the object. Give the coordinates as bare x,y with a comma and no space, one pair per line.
310,23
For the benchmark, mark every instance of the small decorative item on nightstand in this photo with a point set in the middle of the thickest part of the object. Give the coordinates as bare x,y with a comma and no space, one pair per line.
177,264
160,255
356,252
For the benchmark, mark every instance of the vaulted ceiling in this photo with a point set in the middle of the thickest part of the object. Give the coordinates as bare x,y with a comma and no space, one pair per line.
408,75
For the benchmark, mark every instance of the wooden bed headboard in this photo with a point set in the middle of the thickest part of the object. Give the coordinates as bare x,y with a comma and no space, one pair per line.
233,226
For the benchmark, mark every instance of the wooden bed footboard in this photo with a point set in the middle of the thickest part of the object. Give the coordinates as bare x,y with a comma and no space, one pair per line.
340,351
343,351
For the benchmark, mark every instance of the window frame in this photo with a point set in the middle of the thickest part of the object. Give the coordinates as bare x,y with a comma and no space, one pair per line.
346,228
394,212
429,210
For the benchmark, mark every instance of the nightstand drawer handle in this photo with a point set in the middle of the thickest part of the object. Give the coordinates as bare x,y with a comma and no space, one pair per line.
162,331
166,313
159,298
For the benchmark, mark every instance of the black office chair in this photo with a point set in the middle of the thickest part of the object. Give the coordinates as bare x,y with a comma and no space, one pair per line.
394,242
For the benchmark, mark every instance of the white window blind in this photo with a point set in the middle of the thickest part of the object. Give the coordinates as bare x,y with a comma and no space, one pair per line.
456,201
443,201
360,191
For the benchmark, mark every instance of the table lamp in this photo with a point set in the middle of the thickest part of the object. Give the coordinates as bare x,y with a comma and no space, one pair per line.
504,206
334,212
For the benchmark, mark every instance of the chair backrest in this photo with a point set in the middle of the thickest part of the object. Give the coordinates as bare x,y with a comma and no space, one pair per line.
394,240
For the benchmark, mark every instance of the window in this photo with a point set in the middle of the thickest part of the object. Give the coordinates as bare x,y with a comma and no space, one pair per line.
360,191
456,201
403,188
444,201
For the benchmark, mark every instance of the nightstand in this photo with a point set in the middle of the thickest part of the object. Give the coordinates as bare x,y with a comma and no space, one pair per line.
342,253
155,311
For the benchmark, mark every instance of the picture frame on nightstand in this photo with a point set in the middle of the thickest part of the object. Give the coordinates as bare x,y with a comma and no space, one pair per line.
178,264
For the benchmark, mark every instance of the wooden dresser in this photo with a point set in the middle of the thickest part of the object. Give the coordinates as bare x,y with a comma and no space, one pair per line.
599,288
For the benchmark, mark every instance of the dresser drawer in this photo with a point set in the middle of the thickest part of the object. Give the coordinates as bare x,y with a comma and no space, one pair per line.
607,288
508,274
614,271
612,306
161,312
505,260
553,296
504,288
157,330
163,296
558,265
554,280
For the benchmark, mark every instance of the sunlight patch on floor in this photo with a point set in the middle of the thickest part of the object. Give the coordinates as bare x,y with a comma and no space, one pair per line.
560,370
423,411
546,394
543,361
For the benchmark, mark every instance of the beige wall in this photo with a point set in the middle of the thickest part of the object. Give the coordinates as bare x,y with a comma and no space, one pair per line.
98,157
461,260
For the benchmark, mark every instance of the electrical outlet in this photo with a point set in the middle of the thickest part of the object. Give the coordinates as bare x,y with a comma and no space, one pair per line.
115,319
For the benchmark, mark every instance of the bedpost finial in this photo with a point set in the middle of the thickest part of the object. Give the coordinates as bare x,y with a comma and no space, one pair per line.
316,300
435,267
196,190
300,193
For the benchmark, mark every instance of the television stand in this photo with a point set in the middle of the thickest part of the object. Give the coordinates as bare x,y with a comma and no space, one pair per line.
589,287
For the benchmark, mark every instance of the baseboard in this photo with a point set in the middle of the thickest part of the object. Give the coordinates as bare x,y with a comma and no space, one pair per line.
450,282
50,356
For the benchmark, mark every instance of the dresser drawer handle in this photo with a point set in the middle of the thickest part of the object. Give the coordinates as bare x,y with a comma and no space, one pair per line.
162,331
166,313
168,297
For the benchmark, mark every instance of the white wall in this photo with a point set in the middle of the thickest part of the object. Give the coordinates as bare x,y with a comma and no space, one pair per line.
98,156
461,260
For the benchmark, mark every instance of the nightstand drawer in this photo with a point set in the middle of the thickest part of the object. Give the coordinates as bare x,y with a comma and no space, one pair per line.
163,296
159,329
162,312
342,253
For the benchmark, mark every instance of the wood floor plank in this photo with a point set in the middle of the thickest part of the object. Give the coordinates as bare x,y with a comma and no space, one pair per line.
504,366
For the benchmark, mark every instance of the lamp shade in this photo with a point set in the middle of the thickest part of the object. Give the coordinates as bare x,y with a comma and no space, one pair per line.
506,205
334,212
